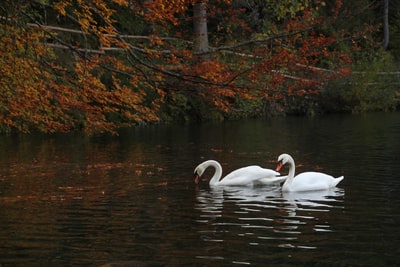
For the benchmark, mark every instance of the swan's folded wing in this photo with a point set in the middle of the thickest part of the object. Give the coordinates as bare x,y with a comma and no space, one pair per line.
248,175
271,180
308,181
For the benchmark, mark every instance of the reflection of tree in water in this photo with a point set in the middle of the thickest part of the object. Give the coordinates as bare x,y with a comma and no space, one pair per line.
72,195
72,167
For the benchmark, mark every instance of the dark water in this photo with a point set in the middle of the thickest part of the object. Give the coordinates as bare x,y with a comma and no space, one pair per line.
77,201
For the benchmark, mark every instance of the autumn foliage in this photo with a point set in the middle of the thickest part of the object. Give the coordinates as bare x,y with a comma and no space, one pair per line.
87,75
38,93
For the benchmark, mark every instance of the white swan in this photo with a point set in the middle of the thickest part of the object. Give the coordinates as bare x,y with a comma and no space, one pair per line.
306,181
249,175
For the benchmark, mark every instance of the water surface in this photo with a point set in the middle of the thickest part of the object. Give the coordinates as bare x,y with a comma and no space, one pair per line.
73,200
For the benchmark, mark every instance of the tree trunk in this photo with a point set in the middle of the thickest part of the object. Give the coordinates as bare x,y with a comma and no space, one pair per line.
385,24
200,30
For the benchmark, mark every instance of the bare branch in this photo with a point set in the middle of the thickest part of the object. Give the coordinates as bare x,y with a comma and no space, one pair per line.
257,41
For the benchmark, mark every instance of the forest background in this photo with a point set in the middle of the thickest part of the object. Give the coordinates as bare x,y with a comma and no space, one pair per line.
99,65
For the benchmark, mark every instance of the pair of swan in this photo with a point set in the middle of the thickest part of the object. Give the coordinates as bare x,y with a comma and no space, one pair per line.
306,181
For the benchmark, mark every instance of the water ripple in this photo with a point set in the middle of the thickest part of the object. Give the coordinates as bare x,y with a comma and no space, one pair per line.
262,214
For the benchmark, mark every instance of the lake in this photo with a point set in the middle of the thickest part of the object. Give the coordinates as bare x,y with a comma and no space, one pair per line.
130,200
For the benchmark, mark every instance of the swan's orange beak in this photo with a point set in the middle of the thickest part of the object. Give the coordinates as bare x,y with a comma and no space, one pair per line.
196,178
279,166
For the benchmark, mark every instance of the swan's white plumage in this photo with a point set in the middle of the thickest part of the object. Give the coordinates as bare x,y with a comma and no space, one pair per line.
306,181
249,175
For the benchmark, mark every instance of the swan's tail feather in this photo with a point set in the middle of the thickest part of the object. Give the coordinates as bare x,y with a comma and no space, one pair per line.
337,181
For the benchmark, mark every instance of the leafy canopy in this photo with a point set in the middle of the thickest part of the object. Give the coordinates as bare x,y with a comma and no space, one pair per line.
67,66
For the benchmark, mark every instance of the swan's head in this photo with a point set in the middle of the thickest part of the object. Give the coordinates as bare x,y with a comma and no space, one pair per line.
282,160
198,172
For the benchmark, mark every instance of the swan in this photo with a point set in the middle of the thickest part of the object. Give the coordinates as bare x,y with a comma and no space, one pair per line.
249,175
306,181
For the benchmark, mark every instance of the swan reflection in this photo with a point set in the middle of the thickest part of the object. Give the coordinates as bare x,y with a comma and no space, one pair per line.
270,196
312,206
313,199
266,213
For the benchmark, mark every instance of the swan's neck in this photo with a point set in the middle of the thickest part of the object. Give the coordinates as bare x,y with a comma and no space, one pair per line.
290,177
217,174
